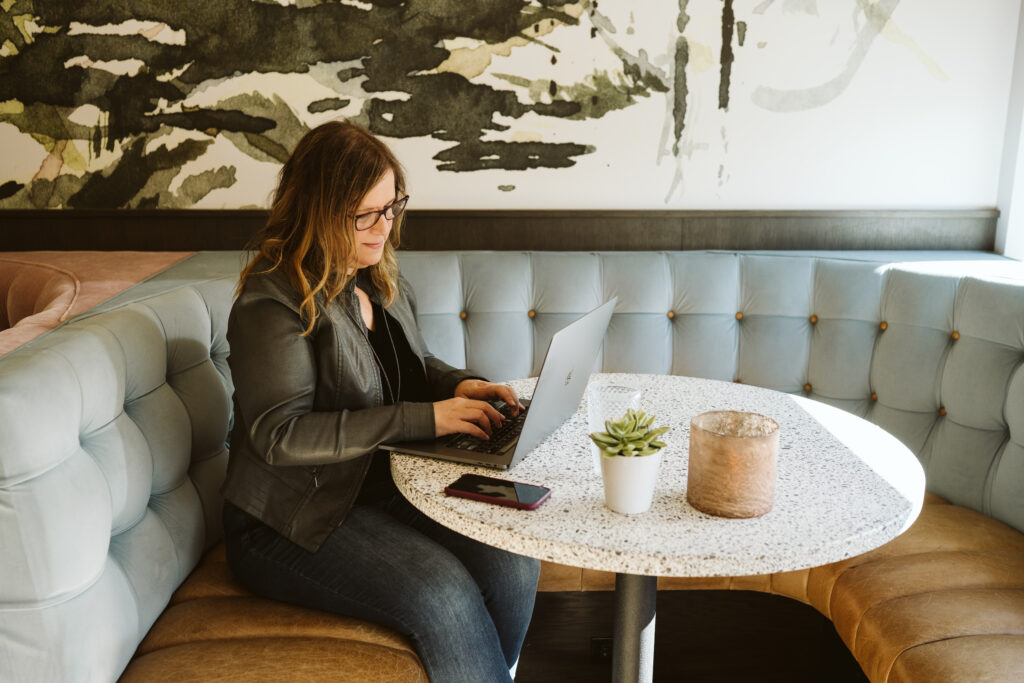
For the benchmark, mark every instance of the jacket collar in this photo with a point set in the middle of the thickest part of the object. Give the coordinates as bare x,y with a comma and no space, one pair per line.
365,282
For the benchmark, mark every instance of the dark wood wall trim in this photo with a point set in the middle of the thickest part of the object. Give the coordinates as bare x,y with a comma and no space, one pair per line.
198,229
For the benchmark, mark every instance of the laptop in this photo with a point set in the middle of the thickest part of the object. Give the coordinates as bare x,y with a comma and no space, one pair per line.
563,378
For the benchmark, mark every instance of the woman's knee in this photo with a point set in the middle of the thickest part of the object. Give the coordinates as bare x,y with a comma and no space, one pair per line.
513,575
525,571
443,585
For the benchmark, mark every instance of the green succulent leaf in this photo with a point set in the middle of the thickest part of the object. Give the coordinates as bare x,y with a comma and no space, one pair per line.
630,435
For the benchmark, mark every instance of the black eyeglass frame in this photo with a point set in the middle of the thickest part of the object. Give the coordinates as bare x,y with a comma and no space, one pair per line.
395,208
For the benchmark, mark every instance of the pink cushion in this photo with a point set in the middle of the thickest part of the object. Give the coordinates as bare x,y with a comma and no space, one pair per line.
41,289
30,289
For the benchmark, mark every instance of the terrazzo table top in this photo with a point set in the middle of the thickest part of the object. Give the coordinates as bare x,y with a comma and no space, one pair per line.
844,486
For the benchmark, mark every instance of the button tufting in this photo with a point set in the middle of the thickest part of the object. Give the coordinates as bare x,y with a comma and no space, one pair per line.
955,335
874,396
942,410
463,315
814,319
532,313
883,325
739,316
671,315
807,387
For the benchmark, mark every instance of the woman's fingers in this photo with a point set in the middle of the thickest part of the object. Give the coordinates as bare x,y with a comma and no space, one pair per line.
483,414
477,389
491,413
491,391
467,416
466,427
508,395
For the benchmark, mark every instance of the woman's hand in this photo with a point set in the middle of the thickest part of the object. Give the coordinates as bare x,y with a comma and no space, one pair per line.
465,416
488,391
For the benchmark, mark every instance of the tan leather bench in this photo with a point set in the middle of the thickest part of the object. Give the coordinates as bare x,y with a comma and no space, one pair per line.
932,605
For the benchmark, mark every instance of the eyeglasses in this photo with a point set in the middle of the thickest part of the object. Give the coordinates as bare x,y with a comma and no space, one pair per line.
365,221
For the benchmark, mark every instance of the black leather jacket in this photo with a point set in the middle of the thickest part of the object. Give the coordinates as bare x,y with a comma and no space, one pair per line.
309,411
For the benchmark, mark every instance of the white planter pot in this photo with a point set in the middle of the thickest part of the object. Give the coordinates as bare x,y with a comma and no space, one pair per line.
629,482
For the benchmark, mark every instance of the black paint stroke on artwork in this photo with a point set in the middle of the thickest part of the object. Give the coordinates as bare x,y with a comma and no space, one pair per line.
9,188
728,19
515,156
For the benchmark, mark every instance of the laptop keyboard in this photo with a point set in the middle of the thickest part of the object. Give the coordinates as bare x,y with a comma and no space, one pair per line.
500,438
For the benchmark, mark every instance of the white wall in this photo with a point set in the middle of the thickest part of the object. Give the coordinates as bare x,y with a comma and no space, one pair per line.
1010,228
919,123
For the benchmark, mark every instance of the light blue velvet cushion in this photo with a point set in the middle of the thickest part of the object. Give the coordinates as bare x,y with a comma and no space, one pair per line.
112,452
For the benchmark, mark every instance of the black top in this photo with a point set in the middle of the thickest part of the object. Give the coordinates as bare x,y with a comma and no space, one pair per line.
403,379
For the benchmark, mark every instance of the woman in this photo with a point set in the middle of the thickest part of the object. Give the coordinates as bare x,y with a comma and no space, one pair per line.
328,363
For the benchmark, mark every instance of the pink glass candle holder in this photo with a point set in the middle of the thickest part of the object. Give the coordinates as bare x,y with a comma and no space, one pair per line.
732,465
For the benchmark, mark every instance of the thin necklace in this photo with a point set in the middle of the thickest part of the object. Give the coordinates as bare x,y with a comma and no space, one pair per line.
398,368
394,354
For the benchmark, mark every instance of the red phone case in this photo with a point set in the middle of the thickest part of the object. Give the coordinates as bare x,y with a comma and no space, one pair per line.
499,501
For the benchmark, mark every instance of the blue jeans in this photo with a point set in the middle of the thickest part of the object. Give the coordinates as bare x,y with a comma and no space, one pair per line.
464,605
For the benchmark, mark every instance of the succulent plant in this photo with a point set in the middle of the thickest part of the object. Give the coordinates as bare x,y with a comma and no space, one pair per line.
630,435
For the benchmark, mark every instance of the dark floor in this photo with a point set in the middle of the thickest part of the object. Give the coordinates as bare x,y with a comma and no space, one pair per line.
727,636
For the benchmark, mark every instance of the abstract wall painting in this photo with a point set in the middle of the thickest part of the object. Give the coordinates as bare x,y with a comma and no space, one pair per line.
491,103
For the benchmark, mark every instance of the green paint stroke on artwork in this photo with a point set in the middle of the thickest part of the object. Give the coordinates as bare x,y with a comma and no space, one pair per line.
597,95
741,32
52,194
198,186
327,104
725,69
272,145
680,88
131,174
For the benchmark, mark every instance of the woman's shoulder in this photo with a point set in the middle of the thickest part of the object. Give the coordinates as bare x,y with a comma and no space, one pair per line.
265,282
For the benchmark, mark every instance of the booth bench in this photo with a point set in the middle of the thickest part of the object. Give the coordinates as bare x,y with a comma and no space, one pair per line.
113,430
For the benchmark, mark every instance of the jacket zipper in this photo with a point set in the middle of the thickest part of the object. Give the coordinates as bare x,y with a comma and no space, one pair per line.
316,468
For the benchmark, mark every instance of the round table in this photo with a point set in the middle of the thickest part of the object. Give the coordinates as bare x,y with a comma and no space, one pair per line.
844,486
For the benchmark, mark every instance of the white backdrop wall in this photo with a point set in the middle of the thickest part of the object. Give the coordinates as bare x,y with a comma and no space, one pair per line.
821,104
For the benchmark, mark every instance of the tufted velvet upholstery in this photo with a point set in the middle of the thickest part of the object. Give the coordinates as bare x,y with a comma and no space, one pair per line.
112,454
112,434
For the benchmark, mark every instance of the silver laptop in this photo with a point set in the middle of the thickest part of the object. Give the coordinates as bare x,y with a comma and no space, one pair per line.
563,378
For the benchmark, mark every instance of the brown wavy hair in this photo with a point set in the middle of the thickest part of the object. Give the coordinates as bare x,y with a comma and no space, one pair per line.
310,233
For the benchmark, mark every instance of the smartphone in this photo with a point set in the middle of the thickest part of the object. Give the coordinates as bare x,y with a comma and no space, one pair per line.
498,491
